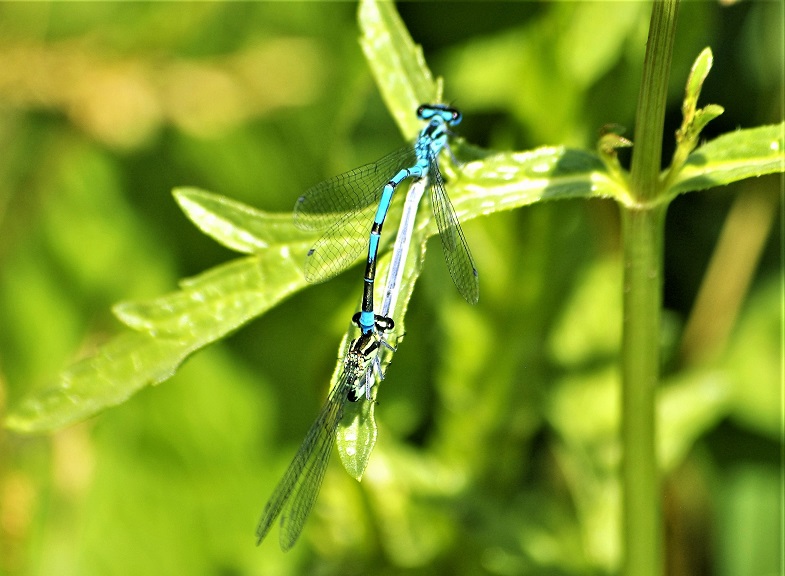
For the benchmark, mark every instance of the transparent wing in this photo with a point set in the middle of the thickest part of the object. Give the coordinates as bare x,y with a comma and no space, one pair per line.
299,487
344,206
329,201
340,247
456,251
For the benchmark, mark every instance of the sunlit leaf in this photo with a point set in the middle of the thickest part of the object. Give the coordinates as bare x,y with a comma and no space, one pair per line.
216,302
109,377
513,179
207,308
236,225
733,157
357,437
700,70
396,62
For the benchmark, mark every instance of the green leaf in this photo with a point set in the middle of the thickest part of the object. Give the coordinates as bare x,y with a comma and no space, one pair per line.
513,179
733,157
236,225
357,436
207,308
404,82
700,70
216,302
396,62
694,120
109,377
704,116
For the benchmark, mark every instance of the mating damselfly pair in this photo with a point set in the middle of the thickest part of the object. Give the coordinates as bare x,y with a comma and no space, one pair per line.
342,207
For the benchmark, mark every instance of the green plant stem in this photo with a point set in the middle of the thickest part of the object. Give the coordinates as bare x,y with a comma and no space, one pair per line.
650,115
642,228
642,237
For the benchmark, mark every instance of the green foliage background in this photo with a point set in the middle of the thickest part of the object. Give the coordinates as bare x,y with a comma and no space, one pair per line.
497,446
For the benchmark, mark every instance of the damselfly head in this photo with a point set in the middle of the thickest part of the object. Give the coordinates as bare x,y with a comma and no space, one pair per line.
447,113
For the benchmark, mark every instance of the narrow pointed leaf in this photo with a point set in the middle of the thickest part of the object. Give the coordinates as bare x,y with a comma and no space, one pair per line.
733,157
219,300
700,70
119,369
236,225
357,437
513,179
396,62
170,328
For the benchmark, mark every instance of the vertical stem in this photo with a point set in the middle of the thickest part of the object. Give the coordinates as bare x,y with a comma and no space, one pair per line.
642,237
650,115
643,222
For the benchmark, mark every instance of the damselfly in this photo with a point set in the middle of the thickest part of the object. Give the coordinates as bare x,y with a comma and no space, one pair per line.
342,206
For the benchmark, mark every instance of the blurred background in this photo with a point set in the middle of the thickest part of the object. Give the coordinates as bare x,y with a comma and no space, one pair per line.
497,451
